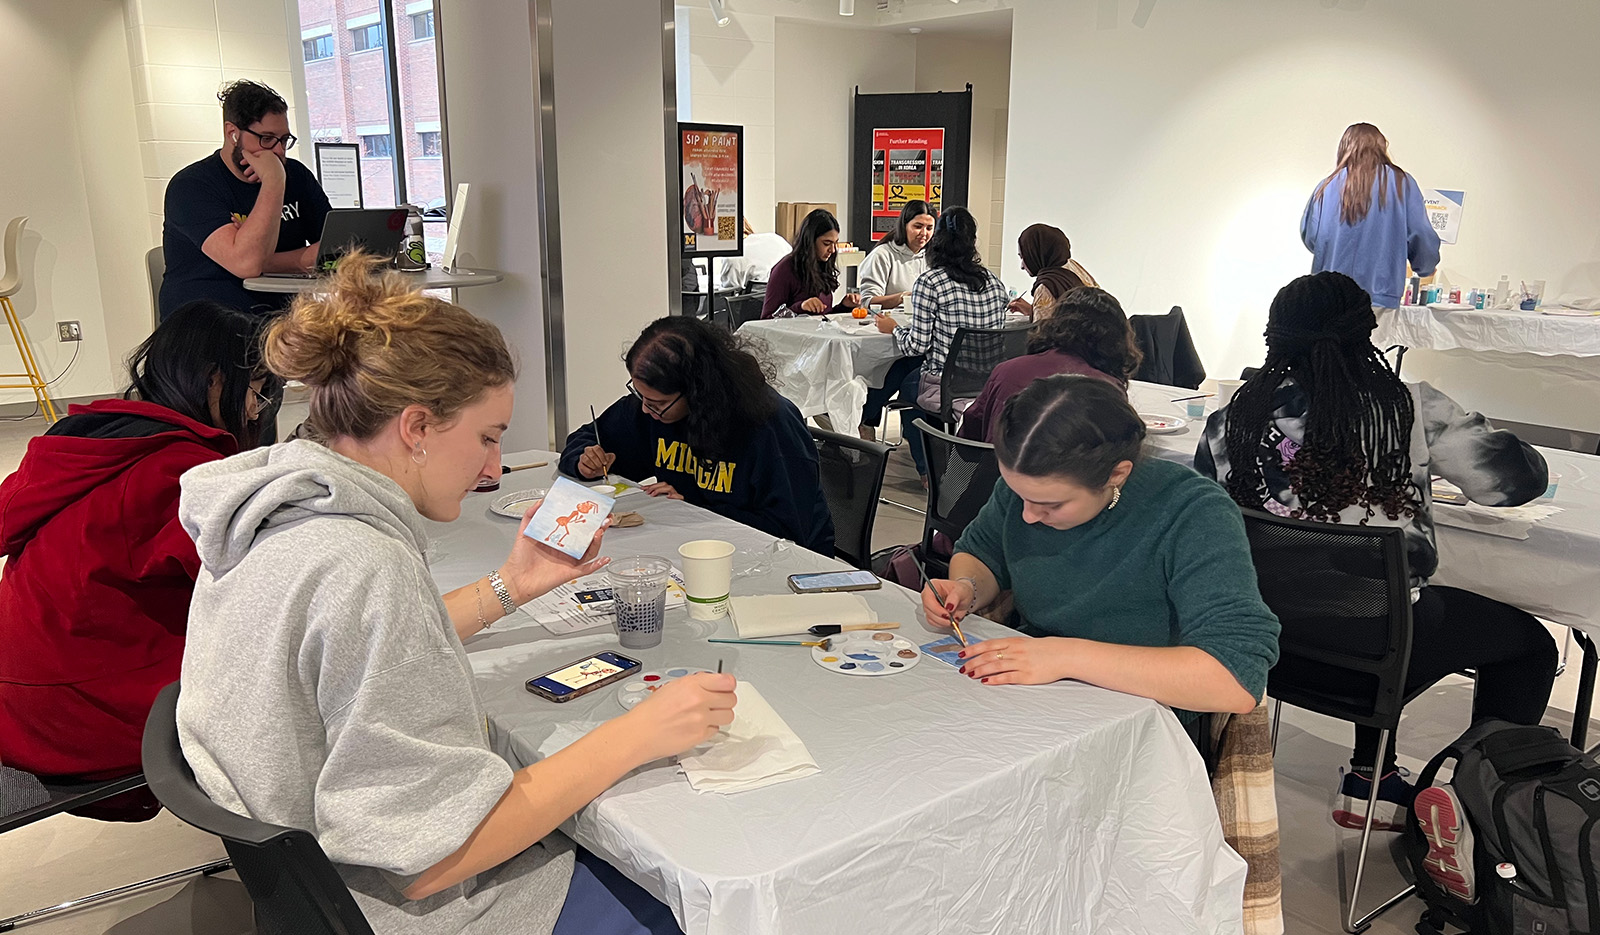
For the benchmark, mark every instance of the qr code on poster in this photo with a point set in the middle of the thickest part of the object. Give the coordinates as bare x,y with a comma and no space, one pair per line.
725,228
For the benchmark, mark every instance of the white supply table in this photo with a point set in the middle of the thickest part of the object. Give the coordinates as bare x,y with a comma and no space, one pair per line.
431,278
826,369
1507,331
1553,574
942,805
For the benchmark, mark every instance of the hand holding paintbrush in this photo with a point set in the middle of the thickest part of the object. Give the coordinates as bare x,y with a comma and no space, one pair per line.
937,603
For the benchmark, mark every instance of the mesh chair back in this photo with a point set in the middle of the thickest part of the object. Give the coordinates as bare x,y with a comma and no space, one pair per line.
852,478
974,353
1343,597
294,888
743,308
961,477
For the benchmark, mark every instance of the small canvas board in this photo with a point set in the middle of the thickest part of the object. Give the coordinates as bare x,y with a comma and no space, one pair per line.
947,650
570,517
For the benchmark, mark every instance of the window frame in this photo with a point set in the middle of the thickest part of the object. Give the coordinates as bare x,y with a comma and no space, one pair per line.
367,145
367,29
318,41
422,14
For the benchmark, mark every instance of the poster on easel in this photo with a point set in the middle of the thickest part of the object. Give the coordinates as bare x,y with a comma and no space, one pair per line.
339,173
711,173
907,165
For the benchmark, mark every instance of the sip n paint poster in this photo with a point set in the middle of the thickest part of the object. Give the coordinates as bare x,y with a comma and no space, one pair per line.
711,161
907,165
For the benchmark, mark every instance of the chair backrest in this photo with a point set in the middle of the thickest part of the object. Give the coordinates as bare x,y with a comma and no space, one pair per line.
11,281
747,307
155,269
1551,437
1169,354
294,888
62,797
961,477
974,353
1343,598
852,478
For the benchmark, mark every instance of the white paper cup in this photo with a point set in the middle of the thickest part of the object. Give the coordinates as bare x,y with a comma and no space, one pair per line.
1196,408
707,577
1225,391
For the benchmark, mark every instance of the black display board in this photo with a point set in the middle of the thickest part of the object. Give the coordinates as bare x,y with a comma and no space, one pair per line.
947,170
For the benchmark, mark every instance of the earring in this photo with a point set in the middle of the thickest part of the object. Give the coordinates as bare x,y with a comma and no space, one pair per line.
1116,497
419,455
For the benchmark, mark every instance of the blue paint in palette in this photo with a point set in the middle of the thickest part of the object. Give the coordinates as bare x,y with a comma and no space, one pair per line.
866,657
677,673
873,666
847,665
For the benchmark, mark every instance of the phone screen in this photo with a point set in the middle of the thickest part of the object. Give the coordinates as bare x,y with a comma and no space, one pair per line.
597,596
596,670
834,580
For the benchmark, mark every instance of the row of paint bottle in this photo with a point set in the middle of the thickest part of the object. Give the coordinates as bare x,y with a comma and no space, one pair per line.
1418,294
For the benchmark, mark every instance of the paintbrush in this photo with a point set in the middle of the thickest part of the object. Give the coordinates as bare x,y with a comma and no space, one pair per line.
1184,399
942,602
508,468
825,644
834,629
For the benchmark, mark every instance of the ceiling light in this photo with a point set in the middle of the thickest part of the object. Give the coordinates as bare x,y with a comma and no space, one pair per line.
717,13
847,7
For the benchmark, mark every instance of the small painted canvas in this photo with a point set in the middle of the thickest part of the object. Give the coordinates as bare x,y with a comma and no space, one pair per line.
945,650
570,517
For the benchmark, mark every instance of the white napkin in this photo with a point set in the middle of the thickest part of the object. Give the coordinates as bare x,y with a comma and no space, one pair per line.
757,749
782,614
1511,522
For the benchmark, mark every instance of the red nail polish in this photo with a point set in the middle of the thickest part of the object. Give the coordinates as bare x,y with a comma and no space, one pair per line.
962,670
985,681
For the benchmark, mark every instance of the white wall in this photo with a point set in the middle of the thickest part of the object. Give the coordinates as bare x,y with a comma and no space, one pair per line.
731,79
949,63
1178,157
68,116
818,70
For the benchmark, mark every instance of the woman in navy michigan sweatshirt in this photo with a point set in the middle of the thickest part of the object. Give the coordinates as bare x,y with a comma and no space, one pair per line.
700,418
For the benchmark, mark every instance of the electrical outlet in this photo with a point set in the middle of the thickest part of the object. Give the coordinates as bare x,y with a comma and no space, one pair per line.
69,331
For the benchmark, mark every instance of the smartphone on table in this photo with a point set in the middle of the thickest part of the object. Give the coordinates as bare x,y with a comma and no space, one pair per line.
825,581
582,677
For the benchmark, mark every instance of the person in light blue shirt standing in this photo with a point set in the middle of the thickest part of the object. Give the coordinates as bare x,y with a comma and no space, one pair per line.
1367,219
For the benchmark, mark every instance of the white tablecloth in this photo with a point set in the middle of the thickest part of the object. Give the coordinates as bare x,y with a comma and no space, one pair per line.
1509,331
824,369
1553,574
943,805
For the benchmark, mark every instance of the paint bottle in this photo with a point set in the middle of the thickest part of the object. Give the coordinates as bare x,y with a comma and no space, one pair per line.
1455,295
1502,293
1405,299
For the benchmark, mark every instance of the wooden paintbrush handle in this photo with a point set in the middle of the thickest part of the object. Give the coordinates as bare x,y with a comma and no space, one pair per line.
870,626
523,467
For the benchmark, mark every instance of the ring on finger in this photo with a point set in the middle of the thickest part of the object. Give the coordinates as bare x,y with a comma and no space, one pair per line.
999,655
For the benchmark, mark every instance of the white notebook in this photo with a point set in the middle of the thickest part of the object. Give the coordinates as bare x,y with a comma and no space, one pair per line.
782,614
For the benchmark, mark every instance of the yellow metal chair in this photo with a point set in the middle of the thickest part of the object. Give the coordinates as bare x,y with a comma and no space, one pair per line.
10,283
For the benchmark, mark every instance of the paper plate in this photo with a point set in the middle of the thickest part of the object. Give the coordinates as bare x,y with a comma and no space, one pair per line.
1162,425
515,503
866,652
645,684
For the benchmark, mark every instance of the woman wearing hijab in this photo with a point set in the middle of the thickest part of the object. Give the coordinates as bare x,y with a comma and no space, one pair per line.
1046,255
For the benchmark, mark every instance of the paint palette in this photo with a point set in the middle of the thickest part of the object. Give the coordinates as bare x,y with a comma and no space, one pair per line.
645,684
515,503
866,652
1162,425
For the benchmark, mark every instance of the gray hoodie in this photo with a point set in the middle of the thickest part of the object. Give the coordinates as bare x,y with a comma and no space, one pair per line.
890,268
325,689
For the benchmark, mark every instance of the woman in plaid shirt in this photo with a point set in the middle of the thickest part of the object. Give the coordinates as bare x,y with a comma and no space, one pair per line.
957,291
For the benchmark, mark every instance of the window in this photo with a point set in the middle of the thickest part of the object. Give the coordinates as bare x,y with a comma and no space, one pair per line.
318,48
422,25
428,143
366,37
378,146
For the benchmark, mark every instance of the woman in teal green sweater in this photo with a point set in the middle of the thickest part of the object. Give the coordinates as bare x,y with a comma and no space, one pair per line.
1129,574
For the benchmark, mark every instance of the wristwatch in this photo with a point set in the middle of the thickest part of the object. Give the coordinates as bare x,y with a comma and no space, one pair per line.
501,591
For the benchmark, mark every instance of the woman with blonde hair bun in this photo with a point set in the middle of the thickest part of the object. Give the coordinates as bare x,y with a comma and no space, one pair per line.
324,682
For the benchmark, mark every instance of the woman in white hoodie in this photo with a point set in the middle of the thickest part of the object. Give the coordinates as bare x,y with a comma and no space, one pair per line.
324,682
889,270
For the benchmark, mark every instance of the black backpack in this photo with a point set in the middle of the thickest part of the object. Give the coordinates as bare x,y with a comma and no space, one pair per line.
1533,801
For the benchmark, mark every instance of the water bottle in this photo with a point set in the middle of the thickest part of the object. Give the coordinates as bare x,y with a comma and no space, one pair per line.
413,254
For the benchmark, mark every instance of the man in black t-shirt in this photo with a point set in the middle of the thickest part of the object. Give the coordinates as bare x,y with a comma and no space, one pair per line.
242,211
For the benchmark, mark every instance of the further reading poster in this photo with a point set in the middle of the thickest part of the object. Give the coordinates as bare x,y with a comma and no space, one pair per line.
907,165
712,176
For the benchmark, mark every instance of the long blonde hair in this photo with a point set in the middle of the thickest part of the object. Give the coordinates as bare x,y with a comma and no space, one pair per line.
1363,151
368,345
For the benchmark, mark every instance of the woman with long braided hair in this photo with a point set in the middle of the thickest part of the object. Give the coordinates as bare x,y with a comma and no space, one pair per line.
1326,431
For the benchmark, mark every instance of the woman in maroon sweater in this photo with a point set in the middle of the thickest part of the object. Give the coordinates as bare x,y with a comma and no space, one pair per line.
94,600
1087,333
804,280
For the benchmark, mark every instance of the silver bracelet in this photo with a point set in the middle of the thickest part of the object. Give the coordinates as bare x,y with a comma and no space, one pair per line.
506,603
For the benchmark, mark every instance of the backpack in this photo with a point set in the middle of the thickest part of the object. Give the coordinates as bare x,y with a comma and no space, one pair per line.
1530,800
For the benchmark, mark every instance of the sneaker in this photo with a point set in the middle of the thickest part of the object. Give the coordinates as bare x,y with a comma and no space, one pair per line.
1394,800
1444,826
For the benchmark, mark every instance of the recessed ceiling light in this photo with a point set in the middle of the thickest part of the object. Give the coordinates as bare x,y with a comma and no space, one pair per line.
916,29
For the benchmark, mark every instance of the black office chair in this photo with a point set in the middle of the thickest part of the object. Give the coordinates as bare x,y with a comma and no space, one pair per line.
974,353
852,477
745,307
961,477
65,797
1343,598
294,888
1169,354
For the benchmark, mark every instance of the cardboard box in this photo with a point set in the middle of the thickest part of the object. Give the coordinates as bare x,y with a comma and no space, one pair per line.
791,213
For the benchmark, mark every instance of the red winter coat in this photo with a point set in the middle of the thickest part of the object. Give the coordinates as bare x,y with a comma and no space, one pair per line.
94,595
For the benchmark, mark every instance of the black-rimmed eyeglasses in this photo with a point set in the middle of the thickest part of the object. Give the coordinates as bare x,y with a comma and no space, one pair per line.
658,412
269,140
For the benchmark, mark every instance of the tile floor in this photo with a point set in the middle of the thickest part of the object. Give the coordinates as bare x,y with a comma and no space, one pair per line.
66,857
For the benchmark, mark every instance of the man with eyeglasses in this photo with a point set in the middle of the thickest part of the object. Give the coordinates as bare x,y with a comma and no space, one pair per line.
242,211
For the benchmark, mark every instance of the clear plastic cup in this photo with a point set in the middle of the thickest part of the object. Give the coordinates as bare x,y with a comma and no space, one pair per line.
1196,408
639,592
1550,487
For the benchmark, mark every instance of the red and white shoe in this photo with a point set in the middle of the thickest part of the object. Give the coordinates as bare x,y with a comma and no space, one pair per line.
1449,836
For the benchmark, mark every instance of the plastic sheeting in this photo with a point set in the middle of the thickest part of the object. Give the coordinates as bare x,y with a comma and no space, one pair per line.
1510,331
943,805
822,368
